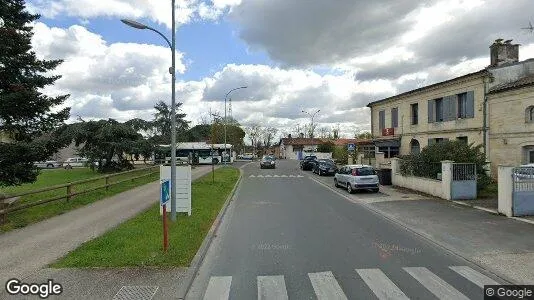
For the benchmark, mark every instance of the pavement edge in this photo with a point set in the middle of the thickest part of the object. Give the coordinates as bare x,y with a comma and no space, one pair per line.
190,275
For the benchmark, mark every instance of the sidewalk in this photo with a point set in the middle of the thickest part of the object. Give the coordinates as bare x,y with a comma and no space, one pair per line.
25,251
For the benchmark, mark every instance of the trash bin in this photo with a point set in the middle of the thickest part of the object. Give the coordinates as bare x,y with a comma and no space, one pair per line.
384,176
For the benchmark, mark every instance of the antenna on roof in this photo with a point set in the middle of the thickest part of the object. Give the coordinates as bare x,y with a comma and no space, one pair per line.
529,28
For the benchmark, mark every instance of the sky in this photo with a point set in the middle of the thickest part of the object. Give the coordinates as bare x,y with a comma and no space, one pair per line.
293,55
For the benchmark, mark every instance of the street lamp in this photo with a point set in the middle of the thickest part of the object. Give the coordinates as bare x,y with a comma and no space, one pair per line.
225,120
172,70
311,116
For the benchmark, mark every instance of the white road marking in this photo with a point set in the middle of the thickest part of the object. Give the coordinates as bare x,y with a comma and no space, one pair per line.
434,284
300,176
260,176
475,277
218,288
276,176
268,176
380,284
252,176
283,176
272,288
326,286
291,176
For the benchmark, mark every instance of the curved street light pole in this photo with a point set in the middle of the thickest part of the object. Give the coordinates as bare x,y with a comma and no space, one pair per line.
225,119
172,70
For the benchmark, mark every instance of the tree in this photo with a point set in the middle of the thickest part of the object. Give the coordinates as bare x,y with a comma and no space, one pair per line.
253,132
162,122
323,132
108,142
198,133
335,132
366,135
268,134
327,147
27,117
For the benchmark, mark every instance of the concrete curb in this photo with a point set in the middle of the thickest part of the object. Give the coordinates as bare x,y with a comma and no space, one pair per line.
422,235
190,275
492,211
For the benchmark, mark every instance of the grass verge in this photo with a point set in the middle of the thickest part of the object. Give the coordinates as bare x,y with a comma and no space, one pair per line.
138,241
38,213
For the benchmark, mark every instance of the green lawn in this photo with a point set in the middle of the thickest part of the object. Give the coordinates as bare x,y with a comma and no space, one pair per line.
138,241
47,178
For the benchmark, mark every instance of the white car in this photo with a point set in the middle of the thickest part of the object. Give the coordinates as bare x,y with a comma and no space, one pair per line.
49,164
525,172
357,177
75,162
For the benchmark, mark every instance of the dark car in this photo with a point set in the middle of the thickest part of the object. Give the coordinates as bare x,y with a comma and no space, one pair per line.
308,162
267,162
325,167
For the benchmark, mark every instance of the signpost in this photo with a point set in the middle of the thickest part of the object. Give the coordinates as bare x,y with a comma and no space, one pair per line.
165,196
351,147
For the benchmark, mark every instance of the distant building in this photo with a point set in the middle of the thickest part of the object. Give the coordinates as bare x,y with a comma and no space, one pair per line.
461,109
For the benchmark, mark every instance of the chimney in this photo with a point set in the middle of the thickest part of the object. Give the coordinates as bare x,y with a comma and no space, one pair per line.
503,52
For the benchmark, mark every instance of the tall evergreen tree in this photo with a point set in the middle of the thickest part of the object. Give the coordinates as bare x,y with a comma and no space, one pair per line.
27,116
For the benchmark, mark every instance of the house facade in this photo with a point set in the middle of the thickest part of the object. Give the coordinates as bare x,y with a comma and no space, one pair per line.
298,148
456,109
511,130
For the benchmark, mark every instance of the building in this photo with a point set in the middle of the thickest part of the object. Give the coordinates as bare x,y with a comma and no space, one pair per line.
298,148
511,130
456,109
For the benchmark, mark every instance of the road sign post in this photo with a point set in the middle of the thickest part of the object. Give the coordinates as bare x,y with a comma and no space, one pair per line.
165,196
350,149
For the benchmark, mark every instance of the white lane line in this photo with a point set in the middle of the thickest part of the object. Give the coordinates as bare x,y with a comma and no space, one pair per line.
283,176
268,176
252,176
291,176
260,176
300,176
434,284
380,284
326,286
276,176
218,288
475,277
272,288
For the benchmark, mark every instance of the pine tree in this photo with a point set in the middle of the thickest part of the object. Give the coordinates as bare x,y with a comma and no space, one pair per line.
28,117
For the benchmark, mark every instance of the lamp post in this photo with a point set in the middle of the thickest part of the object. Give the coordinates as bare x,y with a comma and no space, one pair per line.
225,120
172,70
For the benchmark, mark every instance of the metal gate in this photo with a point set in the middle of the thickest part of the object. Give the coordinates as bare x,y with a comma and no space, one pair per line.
464,181
523,191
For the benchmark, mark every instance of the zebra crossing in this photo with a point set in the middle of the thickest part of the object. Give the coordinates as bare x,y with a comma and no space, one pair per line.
275,176
325,285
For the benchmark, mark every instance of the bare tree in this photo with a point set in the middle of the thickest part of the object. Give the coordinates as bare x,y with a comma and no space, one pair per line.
253,132
268,134
335,132
323,132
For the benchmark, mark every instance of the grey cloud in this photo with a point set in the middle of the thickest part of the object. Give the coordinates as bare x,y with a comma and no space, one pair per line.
302,32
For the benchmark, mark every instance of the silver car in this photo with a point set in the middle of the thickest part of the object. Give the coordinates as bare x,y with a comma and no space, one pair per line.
49,164
357,177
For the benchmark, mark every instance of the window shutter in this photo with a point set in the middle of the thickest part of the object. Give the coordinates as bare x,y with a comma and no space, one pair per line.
395,117
431,111
381,119
470,110
449,107
431,142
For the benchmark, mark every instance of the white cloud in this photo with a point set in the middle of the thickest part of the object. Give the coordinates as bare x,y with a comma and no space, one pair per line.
155,10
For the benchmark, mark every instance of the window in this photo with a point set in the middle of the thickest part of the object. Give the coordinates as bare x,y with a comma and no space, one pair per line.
529,154
462,139
415,113
389,152
381,119
395,117
415,147
530,114
436,141
439,110
531,157
462,105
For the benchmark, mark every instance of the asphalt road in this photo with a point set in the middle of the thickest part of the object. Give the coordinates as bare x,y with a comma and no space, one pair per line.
287,236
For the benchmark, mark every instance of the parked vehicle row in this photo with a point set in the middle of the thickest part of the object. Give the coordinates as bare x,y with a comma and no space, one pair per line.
73,162
350,177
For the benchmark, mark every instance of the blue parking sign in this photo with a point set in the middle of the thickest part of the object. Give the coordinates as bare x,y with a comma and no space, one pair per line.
165,192
351,147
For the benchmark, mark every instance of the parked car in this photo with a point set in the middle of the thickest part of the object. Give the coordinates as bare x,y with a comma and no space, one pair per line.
308,162
325,167
75,162
357,177
525,172
49,164
267,162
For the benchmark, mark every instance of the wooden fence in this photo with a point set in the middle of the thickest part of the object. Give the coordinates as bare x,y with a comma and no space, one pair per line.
8,204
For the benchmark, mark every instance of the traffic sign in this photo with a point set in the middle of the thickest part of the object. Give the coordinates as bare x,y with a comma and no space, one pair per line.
351,147
165,192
